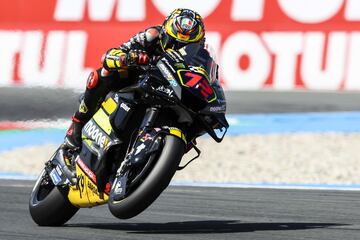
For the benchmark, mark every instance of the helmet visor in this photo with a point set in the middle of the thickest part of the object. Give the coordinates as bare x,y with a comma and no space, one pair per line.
168,42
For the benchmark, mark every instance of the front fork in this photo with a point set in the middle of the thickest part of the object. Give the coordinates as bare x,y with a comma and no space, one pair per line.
147,123
150,117
59,169
136,156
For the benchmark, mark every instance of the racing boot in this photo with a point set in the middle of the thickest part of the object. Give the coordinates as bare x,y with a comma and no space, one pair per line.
73,134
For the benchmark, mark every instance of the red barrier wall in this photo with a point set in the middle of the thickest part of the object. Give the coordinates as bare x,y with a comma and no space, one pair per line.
261,44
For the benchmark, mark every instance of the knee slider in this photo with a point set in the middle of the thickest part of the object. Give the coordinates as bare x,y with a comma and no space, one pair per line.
92,80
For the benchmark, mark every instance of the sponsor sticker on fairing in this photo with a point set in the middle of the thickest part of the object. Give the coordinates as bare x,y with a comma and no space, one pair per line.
125,107
217,109
116,98
165,90
86,169
96,134
54,175
83,108
165,71
139,148
173,83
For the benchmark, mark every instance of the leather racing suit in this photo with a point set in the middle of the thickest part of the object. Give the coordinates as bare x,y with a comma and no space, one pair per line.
117,72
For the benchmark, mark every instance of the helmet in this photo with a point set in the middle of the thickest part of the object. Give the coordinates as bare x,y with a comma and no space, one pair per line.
181,27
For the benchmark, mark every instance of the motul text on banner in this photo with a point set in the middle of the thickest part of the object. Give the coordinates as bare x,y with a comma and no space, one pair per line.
279,44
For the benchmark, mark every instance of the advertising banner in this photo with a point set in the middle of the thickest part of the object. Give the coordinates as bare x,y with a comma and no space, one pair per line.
260,44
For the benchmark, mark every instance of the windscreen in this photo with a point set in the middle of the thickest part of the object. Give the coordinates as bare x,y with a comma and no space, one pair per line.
196,55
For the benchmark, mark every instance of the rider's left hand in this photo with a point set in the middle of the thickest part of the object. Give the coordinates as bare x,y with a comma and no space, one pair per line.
137,58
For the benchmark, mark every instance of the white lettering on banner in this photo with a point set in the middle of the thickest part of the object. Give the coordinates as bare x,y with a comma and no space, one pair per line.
242,44
308,11
304,11
102,10
99,10
9,45
131,12
331,76
203,7
42,58
69,10
57,59
331,66
286,47
75,74
353,67
245,10
36,70
352,12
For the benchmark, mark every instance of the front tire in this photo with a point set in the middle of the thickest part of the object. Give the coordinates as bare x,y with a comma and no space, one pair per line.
48,204
154,184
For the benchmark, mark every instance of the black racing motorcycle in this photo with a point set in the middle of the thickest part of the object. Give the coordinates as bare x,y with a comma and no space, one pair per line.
133,145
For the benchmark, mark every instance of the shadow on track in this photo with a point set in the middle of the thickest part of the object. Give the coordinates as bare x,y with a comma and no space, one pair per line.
193,227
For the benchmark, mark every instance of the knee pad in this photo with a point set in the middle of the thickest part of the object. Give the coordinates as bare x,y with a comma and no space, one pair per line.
92,80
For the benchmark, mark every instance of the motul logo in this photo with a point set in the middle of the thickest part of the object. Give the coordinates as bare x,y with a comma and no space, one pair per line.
103,10
99,10
35,58
274,44
304,11
322,61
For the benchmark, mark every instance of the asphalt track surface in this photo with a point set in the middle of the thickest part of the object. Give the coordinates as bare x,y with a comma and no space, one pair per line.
192,212
198,213
40,103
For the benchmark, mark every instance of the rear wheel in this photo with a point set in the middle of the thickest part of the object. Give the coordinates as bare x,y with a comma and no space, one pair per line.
154,184
48,204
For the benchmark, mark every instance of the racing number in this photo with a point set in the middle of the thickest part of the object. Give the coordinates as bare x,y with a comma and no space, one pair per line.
203,84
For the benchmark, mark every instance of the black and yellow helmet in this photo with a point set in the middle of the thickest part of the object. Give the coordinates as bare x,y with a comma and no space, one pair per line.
181,27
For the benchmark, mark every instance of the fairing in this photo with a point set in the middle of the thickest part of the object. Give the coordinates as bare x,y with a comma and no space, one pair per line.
192,75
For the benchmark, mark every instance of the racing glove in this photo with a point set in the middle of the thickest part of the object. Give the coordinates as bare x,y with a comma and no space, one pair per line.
137,58
116,59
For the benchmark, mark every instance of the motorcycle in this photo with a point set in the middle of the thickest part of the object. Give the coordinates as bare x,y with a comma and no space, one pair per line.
134,143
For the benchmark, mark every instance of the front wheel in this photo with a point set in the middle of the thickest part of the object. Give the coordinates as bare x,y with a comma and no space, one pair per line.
154,184
48,204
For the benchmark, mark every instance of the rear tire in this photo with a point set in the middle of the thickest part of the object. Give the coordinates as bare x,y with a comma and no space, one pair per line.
154,184
50,207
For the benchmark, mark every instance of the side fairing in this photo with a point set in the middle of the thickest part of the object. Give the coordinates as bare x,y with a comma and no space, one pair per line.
219,105
86,193
191,84
98,136
196,80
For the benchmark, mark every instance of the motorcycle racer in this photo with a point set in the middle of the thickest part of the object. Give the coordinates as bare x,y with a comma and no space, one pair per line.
120,65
